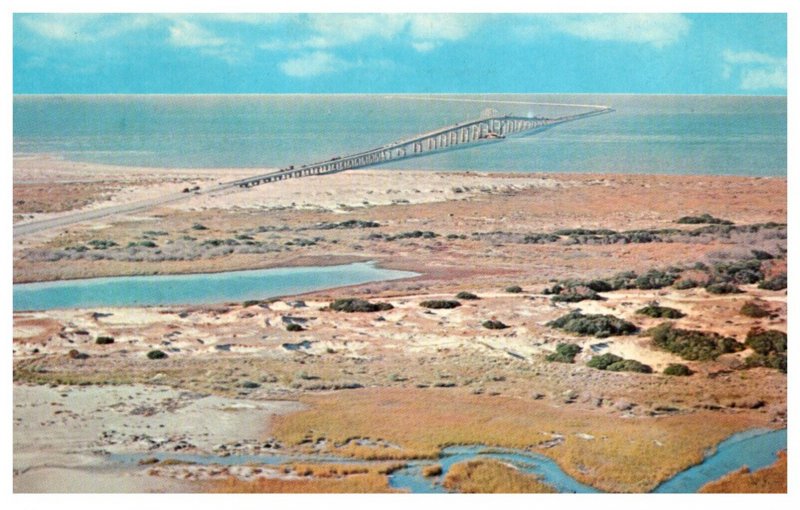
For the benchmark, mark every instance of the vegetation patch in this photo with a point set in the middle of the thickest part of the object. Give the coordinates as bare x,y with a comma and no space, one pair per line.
156,354
348,224
597,325
514,289
614,363
104,340
631,457
702,219
466,295
293,327
602,361
493,324
661,312
687,283
565,353
492,477
438,304
692,344
576,295
432,470
754,309
630,365
678,369
769,347
352,305
723,288
777,283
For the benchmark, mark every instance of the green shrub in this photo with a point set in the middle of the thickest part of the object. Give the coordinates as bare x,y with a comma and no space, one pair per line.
655,279
678,369
765,342
104,340
573,296
438,304
629,365
602,361
777,283
740,271
754,309
251,302
156,354
661,312
492,324
198,226
688,283
101,244
565,353
723,288
762,255
597,325
691,344
703,218
775,360
358,305
294,327
466,295
514,289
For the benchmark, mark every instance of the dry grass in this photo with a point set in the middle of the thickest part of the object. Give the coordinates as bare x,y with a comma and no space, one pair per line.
317,478
626,455
771,479
491,476
357,483
339,470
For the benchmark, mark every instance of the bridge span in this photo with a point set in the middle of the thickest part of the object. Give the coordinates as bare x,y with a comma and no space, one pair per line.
458,135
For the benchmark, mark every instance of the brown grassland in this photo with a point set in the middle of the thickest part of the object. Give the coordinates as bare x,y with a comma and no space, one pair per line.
625,455
493,477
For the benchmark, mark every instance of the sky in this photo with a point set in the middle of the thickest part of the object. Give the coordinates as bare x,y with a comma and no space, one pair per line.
397,53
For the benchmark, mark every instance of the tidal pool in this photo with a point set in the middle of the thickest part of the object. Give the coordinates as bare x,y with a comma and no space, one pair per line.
203,288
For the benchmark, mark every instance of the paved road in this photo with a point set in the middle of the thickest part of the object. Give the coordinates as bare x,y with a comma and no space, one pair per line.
23,229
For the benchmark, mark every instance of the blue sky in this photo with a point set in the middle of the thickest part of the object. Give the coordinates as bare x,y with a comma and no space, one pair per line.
371,53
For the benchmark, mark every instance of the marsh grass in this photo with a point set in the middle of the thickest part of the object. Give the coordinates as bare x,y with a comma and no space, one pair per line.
492,477
771,479
352,484
634,456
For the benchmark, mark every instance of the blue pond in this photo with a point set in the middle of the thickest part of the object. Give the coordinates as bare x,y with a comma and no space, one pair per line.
195,288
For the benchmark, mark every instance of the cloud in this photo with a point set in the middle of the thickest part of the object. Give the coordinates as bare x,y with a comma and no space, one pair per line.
186,33
756,71
313,64
83,28
657,30
423,32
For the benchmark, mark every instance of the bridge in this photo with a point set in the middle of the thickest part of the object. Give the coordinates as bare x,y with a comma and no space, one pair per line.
487,128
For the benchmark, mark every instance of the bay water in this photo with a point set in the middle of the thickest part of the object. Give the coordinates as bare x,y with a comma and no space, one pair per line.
730,135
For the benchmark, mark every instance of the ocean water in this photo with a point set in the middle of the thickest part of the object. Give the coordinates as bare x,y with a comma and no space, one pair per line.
735,135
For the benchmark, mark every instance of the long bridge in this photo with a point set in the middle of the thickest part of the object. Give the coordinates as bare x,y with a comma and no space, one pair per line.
491,127
487,128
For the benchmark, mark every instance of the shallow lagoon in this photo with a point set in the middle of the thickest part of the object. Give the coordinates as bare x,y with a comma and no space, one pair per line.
201,288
